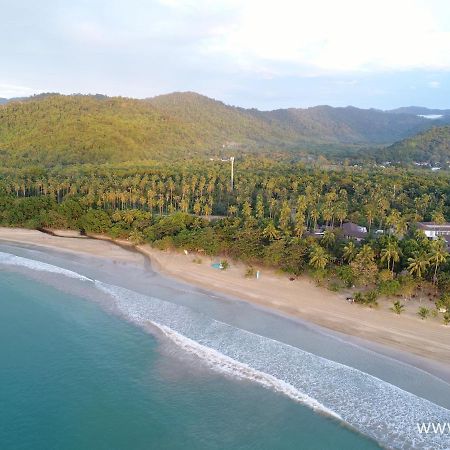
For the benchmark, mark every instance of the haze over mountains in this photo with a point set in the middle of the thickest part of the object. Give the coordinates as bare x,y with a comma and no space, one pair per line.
54,129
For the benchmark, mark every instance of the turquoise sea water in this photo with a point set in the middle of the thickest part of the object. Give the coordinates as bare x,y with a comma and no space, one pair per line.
73,376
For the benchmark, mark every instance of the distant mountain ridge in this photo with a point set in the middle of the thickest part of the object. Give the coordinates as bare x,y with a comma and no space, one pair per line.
431,146
51,129
325,124
420,110
348,125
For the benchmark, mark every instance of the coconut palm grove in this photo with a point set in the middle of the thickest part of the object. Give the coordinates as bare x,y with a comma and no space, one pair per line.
350,223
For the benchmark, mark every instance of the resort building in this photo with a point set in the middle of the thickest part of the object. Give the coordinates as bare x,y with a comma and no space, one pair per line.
433,230
351,230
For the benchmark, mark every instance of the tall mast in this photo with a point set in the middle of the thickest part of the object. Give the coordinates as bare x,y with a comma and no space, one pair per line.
232,172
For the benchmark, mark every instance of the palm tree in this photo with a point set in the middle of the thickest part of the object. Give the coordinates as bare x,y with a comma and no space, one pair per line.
438,217
366,253
270,232
128,217
393,220
259,208
314,216
349,251
232,210
246,210
328,239
285,217
390,253
437,256
318,257
418,264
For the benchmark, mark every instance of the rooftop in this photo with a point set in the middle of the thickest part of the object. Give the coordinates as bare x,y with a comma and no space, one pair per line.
352,229
433,226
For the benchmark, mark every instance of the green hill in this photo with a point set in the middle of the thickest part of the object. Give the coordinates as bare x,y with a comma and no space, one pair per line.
349,125
60,129
431,146
52,129
80,129
217,122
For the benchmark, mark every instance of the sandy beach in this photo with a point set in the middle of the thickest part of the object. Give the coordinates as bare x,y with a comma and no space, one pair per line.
300,298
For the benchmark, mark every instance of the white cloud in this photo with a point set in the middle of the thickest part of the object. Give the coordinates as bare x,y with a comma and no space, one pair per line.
336,36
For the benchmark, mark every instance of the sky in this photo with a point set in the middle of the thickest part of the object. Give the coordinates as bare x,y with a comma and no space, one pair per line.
251,53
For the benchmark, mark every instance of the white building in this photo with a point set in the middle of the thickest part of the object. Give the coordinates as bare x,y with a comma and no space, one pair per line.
433,230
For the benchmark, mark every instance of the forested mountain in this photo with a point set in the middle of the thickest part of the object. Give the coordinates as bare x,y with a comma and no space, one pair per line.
420,110
60,129
431,146
80,129
3,100
348,125
52,129
215,120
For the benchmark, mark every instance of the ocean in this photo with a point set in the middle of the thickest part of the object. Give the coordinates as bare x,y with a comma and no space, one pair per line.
88,363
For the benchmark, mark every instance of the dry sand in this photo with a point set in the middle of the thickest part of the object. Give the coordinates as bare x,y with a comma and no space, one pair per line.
300,298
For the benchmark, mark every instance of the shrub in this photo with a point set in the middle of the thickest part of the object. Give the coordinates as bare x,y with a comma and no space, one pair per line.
116,231
136,237
95,221
371,298
334,286
345,274
389,287
443,281
446,318
250,272
397,307
224,263
444,303
319,275
368,299
423,312
164,243
385,275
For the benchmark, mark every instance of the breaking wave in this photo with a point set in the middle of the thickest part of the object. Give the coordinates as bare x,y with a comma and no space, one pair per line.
13,260
374,407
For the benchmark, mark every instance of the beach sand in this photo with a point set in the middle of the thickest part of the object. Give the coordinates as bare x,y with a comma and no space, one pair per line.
301,298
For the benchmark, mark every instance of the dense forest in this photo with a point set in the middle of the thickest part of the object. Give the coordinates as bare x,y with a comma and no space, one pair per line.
54,129
158,171
270,216
431,146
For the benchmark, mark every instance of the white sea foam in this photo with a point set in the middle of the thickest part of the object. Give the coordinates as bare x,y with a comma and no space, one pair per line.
222,363
13,260
376,408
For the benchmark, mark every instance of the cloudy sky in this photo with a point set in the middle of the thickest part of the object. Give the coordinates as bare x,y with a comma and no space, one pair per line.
253,53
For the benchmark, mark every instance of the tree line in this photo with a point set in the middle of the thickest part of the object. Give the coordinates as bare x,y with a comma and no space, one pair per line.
268,217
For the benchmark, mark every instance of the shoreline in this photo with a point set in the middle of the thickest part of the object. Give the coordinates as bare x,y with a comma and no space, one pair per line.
317,305
381,331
